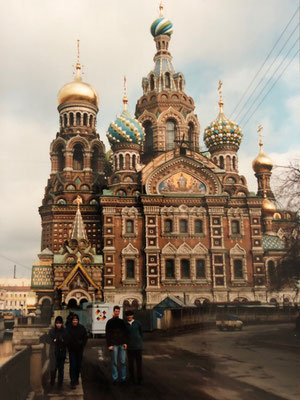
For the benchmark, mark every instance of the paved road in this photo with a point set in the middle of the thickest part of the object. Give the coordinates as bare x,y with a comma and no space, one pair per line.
259,363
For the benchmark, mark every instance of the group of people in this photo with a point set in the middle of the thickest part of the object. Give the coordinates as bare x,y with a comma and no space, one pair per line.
124,340
72,337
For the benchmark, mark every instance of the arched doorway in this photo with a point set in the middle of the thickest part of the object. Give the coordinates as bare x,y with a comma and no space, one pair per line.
72,304
46,311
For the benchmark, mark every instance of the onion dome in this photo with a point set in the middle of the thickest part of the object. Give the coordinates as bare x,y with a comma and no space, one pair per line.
161,26
78,91
222,131
262,163
125,128
268,208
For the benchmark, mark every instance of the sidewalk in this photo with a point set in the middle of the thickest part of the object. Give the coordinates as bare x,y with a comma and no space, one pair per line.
66,393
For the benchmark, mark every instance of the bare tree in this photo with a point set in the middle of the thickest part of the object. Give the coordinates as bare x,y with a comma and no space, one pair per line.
287,185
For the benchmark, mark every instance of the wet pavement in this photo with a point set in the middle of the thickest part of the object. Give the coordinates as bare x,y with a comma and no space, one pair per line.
259,363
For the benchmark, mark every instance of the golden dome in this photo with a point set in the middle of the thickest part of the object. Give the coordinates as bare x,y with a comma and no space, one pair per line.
268,207
262,163
78,91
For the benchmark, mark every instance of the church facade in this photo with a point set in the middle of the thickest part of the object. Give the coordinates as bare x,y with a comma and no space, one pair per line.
156,215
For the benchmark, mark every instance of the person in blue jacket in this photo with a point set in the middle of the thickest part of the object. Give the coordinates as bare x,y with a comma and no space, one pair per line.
134,348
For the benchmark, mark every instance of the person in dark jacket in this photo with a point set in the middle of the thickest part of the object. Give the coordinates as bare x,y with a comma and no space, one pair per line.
134,347
116,338
76,340
69,319
57,337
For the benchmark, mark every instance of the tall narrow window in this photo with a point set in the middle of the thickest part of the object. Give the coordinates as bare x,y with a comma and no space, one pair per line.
183,225
198,226
170,269
167,80
61,158
222,162
185,269
78,157
85,119
238,269
151,82
94,160
168,225
234,163
91,121
129,226
235,227
149,136
133,161
71,116
190,135
121,161
78,119
200,269
170,134
65,120
130,269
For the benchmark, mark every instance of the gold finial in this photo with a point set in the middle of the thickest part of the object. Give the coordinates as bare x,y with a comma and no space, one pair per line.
260,135
220,95
78,201
125,99
161,8
78,65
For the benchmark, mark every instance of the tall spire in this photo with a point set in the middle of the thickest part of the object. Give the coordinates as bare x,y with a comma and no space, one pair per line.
78,64
78,230
125,99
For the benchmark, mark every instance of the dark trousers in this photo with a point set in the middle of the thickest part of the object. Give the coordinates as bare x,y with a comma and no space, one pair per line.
75,358
135,357
59,366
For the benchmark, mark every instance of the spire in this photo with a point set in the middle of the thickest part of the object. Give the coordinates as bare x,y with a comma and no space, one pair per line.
125,99
161,9
221,104
78,230
78,65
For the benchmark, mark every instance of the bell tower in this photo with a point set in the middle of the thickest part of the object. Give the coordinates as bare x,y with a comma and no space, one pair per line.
77,166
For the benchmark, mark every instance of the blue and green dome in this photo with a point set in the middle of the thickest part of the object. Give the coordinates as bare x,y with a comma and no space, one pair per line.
125,129
222,131
161,26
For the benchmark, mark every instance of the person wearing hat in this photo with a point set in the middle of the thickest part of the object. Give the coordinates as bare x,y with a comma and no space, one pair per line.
134,347
76,340
57,337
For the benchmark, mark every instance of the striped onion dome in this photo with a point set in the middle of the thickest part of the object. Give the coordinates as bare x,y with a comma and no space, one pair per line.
161,26
125,129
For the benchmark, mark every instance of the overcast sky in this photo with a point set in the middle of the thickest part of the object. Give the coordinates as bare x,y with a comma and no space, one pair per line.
212,40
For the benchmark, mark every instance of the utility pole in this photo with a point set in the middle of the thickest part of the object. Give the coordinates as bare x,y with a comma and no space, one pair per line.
15,271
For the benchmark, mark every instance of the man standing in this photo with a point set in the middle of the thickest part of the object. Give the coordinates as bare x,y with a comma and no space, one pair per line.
57,336
134,347
76,340
116,338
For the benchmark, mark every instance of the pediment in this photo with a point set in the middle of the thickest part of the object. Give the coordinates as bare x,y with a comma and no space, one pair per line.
129,250
78,272
237,250
200,249
169,248
182,175
184,249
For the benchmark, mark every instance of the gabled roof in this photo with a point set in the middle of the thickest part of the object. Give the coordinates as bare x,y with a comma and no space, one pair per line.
173,302
73,273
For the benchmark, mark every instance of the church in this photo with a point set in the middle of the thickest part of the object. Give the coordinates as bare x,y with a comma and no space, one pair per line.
156,215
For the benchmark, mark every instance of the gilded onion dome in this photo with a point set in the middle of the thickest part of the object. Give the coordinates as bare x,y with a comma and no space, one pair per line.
262,163
125,128
78,91
222,130
161,26
268,208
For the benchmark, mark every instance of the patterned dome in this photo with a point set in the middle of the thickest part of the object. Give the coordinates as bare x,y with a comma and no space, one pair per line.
125,129
161,26
222,131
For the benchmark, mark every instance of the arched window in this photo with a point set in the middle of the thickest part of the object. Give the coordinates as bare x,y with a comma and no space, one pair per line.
78,118
198,226
185,269
149,136
234,163
60,158
272,273
121,161
167,80
235,227
91,121
170,269
222,162
183,226
238,269
190,134
228,163
200,268
130,269
170,134
78,157
65,120
133,161
168,225
129,226
151,82
71,116
94,160
60,121
85,119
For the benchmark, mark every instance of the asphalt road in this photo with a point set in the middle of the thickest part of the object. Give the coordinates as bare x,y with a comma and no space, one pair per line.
260,362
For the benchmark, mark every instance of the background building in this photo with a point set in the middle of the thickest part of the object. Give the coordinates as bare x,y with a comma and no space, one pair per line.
14,293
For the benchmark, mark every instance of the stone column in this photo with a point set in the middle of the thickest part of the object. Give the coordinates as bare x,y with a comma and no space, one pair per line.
36,368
